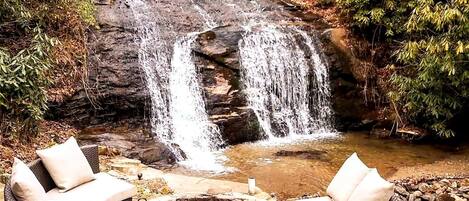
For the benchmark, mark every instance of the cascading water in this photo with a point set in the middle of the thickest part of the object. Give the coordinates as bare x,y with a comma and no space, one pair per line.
195,134
178,109
209,22
153,59
276,71
193,131
276,75
320,104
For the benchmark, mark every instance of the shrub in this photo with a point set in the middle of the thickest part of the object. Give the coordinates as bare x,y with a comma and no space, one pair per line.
30,63
431,63
23,81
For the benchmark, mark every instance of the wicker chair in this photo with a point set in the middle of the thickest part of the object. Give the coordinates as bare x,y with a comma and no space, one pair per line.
91,154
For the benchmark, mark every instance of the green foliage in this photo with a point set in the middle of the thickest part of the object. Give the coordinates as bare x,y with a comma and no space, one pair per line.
387,14
432,81
25,70
86,9
23,81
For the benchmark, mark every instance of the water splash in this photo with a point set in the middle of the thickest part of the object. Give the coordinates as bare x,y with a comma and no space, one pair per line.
276,75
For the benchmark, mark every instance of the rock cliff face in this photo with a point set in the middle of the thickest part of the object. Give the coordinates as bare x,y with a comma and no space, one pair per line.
115,88
218,58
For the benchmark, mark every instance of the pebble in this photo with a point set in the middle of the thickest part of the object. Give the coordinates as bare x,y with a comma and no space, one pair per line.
415,196
431,190
425,188
464,189
401,190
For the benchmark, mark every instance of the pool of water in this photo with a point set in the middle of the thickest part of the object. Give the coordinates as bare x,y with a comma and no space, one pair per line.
307,166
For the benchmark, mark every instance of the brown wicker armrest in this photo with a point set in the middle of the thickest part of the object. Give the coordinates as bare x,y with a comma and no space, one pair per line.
91,154
41,173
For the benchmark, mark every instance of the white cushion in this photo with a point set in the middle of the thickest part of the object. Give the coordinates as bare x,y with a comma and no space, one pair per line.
347,178
325,198
103,188
24,183
66,164
373,188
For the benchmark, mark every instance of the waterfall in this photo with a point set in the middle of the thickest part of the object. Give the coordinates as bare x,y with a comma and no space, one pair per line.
209,22
153,59
193,131
276,72
285,79
320,104
178,116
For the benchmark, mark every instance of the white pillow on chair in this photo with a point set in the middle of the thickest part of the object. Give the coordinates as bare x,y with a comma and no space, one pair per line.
67,165
347,178
373,188
24,183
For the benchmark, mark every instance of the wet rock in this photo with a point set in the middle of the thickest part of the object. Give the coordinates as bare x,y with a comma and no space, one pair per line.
380,133
309,154
238,126
221,46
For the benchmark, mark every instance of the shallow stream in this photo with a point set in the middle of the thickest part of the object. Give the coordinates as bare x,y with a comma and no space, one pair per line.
306,167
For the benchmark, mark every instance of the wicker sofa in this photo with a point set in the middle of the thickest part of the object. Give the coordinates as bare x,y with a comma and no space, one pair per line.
91,154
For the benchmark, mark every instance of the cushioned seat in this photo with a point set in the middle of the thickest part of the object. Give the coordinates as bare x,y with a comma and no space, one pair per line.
103,188
325,198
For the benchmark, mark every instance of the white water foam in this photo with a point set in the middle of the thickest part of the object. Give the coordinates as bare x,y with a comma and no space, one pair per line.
193,132
276,75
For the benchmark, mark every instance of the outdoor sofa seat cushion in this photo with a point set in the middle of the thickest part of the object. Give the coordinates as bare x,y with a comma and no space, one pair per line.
103,188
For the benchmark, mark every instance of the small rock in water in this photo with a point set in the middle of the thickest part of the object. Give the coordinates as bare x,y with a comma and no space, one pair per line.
309,154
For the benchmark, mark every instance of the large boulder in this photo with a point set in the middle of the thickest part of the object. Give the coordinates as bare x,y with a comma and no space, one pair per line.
128,141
